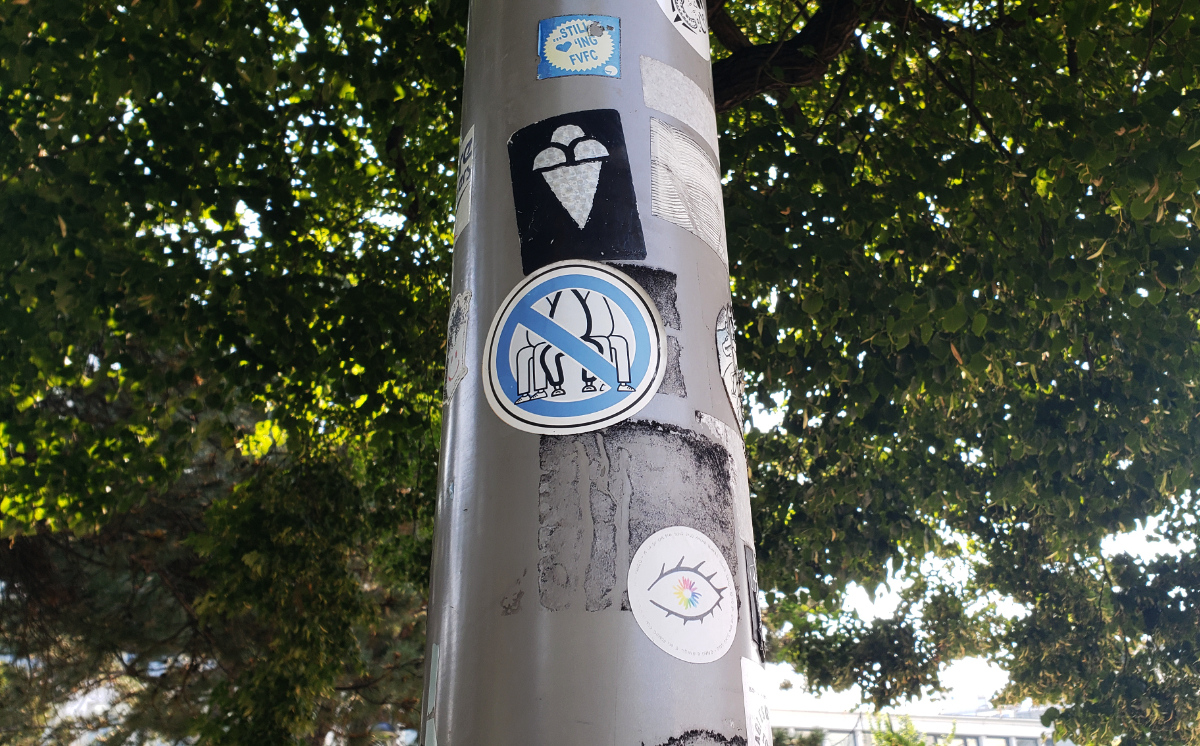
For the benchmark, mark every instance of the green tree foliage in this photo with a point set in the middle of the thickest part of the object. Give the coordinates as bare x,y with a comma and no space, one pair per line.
885,733
985,342
224,298
780,737
960,241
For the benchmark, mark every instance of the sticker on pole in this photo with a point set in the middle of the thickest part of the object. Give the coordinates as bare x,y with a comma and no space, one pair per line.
755,686
573,190
735,386
575,347
690,19
579,45
682,595
466,182
456,343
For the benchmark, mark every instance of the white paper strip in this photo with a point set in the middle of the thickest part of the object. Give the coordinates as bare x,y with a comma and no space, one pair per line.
466,180
668,90
684,186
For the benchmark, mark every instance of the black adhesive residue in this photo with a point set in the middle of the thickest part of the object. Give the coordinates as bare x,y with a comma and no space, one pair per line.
602,494
661,286
672,382
703,738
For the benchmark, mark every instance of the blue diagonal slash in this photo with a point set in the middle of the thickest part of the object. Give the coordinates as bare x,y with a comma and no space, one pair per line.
564,340
523,314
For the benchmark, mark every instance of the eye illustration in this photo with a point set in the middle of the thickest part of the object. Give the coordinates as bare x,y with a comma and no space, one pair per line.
686,592
677,576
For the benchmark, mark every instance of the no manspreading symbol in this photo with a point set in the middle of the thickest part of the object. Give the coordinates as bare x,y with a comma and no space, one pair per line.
575,347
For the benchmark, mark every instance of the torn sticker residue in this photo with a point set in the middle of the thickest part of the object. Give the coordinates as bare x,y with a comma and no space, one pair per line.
739,477
672,382
602,494
670,91
684,186
466,181
704,738
573,190
754,692
690,19
683,595
510,603
456,343
660,285
579,45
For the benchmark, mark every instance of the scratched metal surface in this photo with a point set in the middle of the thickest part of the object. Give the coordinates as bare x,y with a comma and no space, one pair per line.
511,669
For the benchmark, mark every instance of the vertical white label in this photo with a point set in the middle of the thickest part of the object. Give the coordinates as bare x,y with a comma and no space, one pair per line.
466,182
430,731
754,691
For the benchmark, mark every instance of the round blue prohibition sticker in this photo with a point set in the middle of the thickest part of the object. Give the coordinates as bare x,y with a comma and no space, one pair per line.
575,347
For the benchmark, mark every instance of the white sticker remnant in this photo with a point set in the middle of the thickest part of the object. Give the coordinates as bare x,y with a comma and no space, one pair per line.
429,731
668,90
690,18
735,386
682,595
758,716
575,347
456,343
684,186
466,182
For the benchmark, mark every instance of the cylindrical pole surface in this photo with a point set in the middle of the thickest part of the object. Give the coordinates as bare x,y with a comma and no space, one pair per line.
594,573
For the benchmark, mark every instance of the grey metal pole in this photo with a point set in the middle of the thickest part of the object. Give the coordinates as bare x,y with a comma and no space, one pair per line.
594,573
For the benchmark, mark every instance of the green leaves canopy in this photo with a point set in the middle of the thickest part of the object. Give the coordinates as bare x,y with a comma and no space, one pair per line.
222,291
960,241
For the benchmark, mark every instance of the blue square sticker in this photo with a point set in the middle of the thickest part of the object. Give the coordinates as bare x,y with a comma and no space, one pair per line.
579,45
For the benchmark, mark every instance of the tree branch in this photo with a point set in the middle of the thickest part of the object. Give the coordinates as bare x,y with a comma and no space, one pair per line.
804,59
984,122
724,28
797,62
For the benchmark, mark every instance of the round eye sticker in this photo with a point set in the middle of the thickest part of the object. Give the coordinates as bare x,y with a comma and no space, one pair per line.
682,595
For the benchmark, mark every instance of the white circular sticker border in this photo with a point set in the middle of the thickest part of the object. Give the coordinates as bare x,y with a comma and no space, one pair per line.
575,346
683,596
